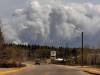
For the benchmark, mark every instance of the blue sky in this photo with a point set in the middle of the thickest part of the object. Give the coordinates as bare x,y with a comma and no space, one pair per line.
8,6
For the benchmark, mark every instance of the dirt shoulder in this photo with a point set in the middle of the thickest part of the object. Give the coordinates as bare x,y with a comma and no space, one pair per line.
92,70
89,69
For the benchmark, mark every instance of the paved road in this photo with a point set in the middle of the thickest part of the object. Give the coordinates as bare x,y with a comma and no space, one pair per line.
50,70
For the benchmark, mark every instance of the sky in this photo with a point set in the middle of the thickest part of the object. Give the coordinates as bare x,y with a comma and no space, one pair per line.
50,22
8,6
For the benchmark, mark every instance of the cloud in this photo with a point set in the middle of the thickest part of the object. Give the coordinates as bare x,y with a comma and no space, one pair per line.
53,22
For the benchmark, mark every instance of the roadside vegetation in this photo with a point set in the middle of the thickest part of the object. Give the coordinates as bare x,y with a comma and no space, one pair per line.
13,55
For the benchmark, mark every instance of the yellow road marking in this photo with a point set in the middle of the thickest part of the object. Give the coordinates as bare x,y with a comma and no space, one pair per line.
15,70
11,71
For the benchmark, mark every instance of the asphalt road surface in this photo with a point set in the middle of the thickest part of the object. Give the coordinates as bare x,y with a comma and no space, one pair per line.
49,70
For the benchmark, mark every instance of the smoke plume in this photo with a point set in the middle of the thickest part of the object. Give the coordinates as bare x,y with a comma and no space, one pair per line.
55,24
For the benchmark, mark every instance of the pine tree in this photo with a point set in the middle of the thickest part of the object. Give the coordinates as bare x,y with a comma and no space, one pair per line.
3,54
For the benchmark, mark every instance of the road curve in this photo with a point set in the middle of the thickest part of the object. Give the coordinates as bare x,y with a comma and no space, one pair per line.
50,70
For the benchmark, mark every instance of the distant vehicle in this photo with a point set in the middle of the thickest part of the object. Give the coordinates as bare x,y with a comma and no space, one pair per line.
37,62
60,61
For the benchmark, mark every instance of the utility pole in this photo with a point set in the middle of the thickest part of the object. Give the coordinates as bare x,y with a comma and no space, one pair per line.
95,54
82,58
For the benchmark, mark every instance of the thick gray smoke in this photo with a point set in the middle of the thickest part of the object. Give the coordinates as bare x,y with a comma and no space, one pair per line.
52,23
